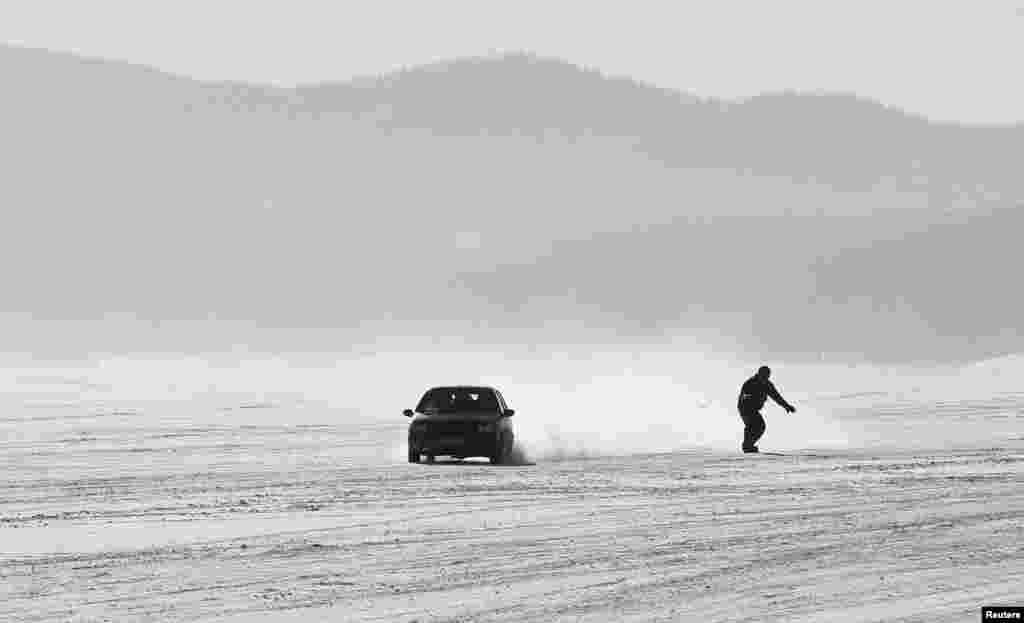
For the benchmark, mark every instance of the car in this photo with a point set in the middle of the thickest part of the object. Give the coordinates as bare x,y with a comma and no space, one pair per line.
461,421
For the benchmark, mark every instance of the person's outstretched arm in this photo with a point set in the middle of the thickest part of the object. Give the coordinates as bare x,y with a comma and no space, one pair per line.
777,397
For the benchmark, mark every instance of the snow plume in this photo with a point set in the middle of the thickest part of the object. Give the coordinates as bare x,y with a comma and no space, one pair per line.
571,404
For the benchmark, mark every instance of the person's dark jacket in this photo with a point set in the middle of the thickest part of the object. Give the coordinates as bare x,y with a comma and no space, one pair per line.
755,391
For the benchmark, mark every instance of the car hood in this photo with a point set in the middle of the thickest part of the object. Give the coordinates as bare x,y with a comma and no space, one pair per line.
461,416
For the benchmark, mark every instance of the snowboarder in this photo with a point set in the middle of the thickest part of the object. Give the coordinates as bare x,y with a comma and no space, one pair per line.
752,397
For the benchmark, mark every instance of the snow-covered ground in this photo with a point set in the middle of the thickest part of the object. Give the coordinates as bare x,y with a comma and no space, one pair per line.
159,491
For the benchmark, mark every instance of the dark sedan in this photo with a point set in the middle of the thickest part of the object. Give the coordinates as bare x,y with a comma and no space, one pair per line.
461,421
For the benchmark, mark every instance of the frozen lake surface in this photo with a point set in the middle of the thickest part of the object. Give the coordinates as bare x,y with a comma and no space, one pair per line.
881,507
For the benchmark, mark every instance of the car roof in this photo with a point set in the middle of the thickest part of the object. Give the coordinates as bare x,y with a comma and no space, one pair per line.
469,387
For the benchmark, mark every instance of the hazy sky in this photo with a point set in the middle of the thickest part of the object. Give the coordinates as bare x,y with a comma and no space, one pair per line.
954,60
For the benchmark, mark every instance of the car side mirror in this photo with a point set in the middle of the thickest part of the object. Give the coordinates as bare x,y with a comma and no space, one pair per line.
407,413
510,412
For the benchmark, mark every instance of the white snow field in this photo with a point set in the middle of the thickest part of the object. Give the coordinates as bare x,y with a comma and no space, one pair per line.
891,500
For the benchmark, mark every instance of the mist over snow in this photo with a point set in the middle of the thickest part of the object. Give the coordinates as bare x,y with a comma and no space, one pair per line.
570,403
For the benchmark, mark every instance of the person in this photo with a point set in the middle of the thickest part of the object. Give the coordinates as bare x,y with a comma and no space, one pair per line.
752,397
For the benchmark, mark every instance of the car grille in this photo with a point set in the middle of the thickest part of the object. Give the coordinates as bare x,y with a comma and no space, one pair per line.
451,429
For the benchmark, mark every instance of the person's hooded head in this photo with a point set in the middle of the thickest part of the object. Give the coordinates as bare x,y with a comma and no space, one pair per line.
764,372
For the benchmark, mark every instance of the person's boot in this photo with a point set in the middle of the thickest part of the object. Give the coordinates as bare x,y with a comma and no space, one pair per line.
749,449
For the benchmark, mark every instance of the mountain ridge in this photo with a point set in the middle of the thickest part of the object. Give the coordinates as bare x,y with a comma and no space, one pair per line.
453,66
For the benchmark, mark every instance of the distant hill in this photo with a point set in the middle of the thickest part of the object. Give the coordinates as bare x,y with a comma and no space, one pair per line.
842,140
468,197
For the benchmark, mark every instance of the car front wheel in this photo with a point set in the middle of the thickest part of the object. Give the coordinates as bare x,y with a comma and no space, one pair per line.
501,451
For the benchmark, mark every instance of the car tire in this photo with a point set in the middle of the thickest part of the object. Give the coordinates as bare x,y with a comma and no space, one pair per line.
414,455
430,458
501,452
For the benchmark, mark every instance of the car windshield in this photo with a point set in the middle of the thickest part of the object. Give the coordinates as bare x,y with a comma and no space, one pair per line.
455,399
